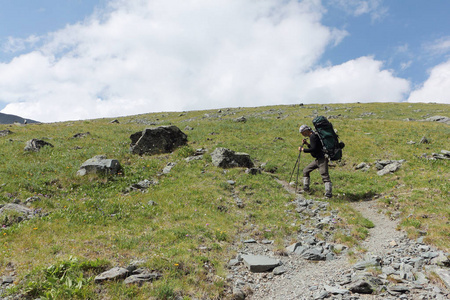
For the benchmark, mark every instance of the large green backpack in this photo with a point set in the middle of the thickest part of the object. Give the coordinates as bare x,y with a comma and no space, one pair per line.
330,140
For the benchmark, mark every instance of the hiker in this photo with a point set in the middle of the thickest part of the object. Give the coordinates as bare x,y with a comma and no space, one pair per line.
320,162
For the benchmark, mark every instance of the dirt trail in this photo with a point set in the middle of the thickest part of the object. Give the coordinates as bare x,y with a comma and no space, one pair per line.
305,278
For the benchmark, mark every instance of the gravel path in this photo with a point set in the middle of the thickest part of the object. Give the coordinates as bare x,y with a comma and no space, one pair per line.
405,261
384,231
305,277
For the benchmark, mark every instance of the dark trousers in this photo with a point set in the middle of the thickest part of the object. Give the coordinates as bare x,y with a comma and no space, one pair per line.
322,165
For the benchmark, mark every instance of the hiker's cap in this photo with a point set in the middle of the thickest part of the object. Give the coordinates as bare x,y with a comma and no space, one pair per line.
304,128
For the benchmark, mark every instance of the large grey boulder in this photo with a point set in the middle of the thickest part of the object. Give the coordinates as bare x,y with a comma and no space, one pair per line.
163,139
100,165
226,158
36,145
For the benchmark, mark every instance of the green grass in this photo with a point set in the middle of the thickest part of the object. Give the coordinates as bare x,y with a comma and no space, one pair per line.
86,220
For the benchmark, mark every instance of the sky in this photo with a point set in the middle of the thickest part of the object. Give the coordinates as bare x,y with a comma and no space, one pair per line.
82,59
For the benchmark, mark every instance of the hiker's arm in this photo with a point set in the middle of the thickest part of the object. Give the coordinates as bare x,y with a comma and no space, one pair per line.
305,142
314,146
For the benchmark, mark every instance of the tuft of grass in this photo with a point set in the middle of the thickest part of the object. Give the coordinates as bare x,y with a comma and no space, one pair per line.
64,280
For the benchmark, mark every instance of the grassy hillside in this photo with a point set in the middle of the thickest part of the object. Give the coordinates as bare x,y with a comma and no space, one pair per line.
86,225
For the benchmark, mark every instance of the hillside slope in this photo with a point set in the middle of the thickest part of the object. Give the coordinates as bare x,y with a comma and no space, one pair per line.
192,220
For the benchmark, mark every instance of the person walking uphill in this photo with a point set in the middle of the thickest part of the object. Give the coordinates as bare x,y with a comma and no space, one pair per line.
320,162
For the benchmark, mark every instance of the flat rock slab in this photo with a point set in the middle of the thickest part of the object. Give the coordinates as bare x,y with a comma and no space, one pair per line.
444,275
17,208
366,264
140,278
399,289
113,274
336,290
260,263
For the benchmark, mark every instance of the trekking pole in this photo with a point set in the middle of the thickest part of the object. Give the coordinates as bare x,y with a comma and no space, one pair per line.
298,167
295,166
298,170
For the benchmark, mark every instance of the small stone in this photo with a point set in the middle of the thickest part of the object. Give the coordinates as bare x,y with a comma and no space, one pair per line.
233,262
322,295
238,294
424,140
279,270
7,280
291,248
388,270
267,242
339,247
393,243
313,254
366,264
361,287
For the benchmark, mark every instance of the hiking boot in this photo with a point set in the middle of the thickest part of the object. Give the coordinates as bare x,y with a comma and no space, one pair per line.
304,191
328,190
306,181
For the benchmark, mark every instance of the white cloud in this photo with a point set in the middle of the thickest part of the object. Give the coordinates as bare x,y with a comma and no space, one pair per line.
360,7
402,49
18,44
165,55
436,88
356,80
439,46
405,65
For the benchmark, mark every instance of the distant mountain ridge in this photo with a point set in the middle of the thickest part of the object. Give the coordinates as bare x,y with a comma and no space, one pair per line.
11,119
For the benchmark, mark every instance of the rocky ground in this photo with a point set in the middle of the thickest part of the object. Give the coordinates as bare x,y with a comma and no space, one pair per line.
393,267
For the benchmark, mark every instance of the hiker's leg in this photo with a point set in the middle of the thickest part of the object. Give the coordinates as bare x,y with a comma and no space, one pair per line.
323,169
328,189
322,164
306,182
306,171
